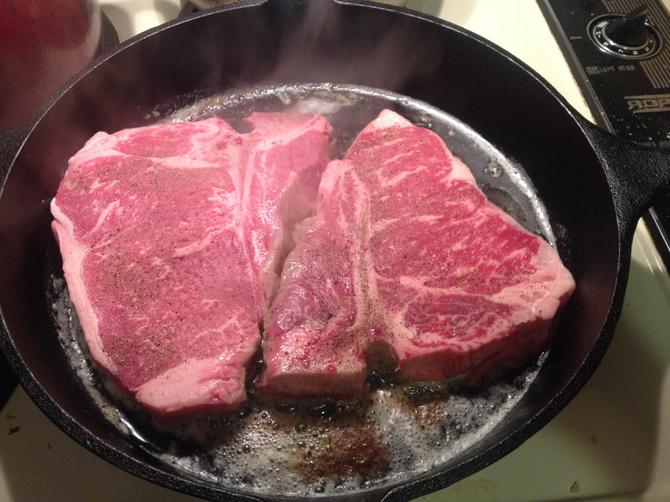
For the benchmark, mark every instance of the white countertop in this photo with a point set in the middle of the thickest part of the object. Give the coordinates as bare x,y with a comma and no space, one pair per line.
607,444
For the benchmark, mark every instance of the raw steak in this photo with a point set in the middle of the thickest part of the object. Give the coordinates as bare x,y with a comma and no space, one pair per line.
170,237
406,263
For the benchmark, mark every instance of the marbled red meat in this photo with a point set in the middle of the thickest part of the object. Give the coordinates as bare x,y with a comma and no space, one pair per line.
407,263
171,237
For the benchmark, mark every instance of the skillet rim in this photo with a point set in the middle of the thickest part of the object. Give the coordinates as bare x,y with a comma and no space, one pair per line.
421,484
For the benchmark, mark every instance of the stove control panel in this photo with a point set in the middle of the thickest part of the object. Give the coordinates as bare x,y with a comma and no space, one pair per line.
619,52
627,36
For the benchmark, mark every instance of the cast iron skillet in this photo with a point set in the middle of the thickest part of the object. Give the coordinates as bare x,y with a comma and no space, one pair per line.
593,185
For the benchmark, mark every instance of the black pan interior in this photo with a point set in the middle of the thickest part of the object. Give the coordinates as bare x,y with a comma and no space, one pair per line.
306,448
451,70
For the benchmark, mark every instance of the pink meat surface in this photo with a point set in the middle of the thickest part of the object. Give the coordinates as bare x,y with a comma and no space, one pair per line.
406,261
171,237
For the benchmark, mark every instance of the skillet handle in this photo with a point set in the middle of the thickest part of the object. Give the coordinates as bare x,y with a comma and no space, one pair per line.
636,173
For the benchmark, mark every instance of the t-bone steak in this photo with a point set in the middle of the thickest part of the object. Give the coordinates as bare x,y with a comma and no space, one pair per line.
172,237
406,263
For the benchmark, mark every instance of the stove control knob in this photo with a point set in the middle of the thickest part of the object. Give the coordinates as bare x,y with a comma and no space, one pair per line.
629,36
631,30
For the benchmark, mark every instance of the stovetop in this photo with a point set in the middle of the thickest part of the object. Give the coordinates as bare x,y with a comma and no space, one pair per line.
619,53
606,444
